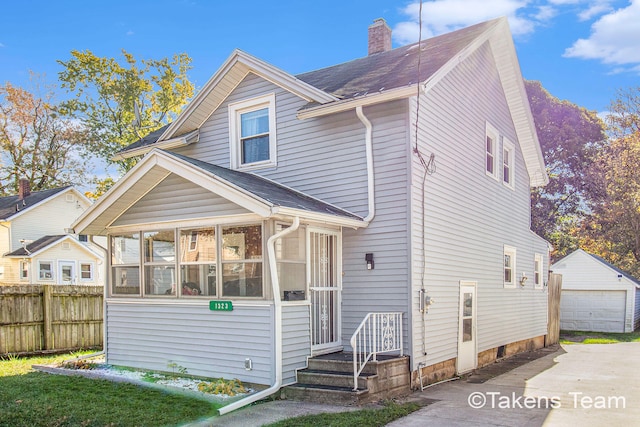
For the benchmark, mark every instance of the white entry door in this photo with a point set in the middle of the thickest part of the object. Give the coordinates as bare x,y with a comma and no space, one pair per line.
324,254
67,272
467,346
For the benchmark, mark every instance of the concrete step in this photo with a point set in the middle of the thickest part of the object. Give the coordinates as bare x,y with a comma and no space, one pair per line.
334,378
343,366
325,394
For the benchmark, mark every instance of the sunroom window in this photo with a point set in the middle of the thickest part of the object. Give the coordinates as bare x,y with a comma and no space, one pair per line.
242,261
159,262
125,264
198,255
291,263
252,133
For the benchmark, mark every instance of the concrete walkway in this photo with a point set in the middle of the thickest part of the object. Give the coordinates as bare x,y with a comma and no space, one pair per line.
585,385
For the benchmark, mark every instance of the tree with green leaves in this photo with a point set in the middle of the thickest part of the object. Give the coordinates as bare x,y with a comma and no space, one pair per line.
36,143
120,103
571,138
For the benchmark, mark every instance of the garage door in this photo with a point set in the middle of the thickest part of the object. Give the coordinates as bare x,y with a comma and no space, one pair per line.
601,311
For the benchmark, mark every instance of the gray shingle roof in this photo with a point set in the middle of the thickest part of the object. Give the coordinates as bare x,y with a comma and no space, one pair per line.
11,205
36,245
395,68
276,194
379,72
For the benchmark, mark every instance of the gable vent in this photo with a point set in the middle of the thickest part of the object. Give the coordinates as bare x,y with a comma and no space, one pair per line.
66,246
69,197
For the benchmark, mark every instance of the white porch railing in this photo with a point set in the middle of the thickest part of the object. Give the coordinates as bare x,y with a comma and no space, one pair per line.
377,333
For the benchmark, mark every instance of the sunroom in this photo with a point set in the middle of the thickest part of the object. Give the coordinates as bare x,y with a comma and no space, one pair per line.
217,270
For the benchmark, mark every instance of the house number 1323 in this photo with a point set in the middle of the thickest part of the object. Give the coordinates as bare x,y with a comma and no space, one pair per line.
220,305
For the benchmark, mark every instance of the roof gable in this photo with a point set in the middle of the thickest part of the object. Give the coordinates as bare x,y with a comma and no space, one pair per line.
252,192
599,261
12,206
46,242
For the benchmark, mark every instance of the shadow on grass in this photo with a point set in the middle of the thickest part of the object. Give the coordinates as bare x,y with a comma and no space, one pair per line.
40,399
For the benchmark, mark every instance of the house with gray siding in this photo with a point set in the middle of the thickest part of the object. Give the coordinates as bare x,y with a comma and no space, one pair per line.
281,217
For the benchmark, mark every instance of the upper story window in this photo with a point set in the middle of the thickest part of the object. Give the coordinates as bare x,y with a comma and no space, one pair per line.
252,133
491,150
508,163
509,267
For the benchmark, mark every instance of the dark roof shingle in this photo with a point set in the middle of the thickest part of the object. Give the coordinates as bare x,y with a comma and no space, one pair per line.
36,245
11,205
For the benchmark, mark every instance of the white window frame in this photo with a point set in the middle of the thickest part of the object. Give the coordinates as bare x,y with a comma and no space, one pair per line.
247,106
508,161
511,251
24,268
91,271
51,265
538,280
491,132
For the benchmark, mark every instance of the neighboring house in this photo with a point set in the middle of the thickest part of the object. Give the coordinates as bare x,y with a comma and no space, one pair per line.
33,241
596,295
277,211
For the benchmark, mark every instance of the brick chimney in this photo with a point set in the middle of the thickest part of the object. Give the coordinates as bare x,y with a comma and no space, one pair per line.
379,36
24,188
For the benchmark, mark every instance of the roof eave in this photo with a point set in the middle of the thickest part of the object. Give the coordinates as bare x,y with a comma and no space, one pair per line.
360,101
339,220
181,141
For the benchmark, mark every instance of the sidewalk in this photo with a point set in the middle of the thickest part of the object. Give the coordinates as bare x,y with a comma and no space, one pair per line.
586,385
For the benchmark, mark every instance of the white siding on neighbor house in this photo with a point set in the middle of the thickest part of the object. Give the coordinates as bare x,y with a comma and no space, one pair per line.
176,198
62,251
296,341
582,272
147,335
469,217
50,218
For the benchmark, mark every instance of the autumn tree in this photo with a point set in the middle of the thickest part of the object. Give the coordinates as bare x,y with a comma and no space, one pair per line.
571,137
613,230
120,103
37,144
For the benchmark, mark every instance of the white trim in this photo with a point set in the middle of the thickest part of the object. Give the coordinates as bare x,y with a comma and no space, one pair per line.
68,262
511,251
474,323
27,269
509,152
92,267
491,132
246,106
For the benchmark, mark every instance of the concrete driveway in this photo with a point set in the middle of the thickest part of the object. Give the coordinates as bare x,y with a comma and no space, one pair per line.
577,385
580,385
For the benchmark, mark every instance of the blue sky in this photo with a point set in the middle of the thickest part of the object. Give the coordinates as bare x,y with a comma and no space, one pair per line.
581,50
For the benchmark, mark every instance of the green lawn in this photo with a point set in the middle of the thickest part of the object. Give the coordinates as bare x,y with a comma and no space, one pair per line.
361,418
582,337
30,398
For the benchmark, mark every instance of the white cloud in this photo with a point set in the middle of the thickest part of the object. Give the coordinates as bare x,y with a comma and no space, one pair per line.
130,33
613,38
595,8
442,16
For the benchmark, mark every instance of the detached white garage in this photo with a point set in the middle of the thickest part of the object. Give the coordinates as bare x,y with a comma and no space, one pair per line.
596,296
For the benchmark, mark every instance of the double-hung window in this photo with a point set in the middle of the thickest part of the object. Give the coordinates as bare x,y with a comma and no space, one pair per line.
24,270
45,270
537,271
509,267
252,133
508,163
86,271
491,151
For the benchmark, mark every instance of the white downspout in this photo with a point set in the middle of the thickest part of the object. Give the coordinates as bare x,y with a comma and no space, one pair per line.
368,140
105,294
275,286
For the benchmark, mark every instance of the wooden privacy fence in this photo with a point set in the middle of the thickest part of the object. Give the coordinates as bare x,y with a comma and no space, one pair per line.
36,318
555,288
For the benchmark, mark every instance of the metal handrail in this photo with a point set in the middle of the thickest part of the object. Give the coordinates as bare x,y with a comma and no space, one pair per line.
377,333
